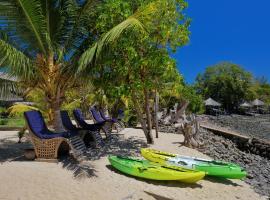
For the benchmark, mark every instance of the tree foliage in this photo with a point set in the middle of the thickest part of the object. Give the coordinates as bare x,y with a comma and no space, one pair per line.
140,65
195,100
50,45
17,110
260,89
225,82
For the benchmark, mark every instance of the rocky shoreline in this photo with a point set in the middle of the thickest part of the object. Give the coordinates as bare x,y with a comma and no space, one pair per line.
251,126
258,167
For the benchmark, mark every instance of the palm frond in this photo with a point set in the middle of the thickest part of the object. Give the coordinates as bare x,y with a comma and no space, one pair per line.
33,13
144,14
24,20
80,31
17,110
72,105
66,14
111,36
20,65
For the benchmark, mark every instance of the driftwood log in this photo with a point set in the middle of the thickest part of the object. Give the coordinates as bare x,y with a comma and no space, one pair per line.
188,126
178,122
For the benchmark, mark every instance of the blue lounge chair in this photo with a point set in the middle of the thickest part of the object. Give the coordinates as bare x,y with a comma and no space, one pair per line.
47,143
108,124
38,127
96,115
89,136
118,124
78,116
106,118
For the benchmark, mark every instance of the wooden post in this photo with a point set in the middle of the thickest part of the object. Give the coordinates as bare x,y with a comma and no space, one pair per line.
156,111
148,113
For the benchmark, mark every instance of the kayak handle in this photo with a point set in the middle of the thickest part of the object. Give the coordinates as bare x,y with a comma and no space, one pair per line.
142,169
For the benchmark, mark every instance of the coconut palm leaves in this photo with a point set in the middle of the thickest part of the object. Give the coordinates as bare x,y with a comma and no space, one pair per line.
19,64
43,40
17,110
111,36
32,12
57,27
25,23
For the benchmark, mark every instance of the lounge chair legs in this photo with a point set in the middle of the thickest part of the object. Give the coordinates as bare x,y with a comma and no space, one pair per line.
119,126
77,146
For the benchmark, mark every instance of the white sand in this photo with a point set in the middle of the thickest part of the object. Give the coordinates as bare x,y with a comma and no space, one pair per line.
30,180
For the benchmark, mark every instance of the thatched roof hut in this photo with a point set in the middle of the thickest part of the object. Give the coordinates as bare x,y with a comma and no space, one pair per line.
8,77
211,102
9,92
245,105
257,102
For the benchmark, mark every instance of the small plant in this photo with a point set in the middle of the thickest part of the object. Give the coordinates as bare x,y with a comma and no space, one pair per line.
17,110
3,112
21,134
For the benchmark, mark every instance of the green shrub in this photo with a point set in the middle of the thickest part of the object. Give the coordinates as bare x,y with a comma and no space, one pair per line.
133,121
3,112
3,121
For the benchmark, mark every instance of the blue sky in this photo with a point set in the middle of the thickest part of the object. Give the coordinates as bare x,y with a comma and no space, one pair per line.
227,30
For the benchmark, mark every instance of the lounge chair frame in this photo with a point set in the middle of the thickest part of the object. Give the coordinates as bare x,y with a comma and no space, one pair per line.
108,125
118,125
85,133
48,149
45,148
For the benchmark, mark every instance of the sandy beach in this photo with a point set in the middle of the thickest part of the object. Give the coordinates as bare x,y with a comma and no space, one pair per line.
95,179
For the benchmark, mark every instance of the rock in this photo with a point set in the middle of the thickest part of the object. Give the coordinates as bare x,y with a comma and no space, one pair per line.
258,168
250,176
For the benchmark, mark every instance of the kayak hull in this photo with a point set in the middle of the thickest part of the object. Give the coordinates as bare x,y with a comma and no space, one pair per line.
153,171
211,167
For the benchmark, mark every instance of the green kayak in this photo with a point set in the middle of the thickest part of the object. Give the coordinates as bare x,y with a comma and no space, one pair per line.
211,167
149,170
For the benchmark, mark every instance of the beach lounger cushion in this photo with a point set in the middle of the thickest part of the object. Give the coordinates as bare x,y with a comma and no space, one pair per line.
102,114
81,122
38,127
96,115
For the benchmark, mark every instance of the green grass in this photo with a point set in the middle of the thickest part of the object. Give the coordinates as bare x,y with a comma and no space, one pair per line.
12,122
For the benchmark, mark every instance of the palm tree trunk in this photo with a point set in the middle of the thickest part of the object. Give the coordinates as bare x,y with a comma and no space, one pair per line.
55,119
57,122
54,94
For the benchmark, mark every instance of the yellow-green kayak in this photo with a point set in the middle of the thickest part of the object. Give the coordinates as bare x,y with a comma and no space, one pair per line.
211,167
149,170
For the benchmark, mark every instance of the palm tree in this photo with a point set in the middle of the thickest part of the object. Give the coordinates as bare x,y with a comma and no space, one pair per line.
50,44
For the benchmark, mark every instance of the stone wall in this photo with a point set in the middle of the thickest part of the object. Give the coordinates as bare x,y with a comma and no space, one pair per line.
247,144
256,146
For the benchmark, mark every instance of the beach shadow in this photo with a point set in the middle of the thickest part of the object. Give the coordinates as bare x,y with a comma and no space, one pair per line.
181,144
11,150
177,184
178,143
80,169
221,181
118,145
137,127
157,197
